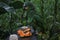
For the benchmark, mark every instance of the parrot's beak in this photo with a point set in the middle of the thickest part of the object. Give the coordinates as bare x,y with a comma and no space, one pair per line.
26,8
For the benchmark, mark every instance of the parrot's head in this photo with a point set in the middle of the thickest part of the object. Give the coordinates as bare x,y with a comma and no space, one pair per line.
28,5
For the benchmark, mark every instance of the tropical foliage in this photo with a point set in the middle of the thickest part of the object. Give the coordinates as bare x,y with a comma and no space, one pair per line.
45,18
